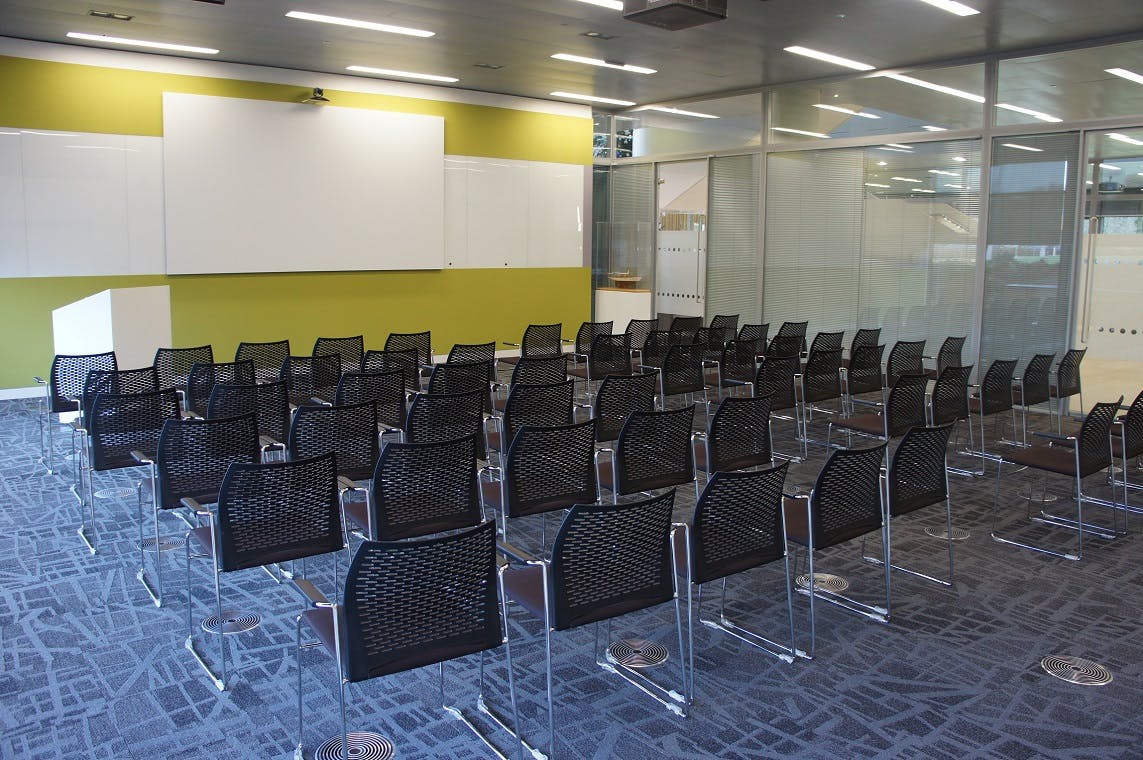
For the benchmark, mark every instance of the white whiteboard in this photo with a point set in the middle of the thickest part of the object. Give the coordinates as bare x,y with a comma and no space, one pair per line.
261,186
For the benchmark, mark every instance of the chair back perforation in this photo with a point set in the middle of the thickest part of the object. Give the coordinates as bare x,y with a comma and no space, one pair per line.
538,405
120,381
682,370
483,354
949,354
775,377
1068,373
193,456
905,407
204,376
608,355
550,468
351,350
739,434
269,402
620,395
866,336
174,364
1035,380
542,341
738,361
348,431
588,332
654,451
820,379
637,332
407,361
122,423
864,372
445,417
386,390
69,375
423,488
1092,439
950,395
540,370
996,388
846,500
906,356
421,342
684,330
310,377
267,357
757,331
1133,428
827,341
737,523
917,476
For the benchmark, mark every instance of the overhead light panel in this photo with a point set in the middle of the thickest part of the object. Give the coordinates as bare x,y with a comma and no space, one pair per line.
829,58
357,24
141,43
1123,138
681,112
799,132
603,63
932,128
401,74
592,98
899,145
615,5
945,173
937,87
1111,167
882,163
894,150
850,111
907,179
921,190
1018,146
875,184
1126,74
1035,114
959,159
952,6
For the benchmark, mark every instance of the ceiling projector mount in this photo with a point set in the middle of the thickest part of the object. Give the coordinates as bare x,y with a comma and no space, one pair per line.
674,15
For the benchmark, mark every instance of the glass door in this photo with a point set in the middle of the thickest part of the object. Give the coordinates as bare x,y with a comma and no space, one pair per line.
1109,314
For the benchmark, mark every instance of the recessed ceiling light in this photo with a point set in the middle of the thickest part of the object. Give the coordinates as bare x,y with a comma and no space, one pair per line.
959,159
799,132
1088,182
1111,167
875,184
829,58
339,21
958,187
603,63
681,112
849,111
1017,146
615,5
952,6
899,145
882,163
942,171
1126,74
894,150
907,179
1123,138
937,87
400,74
921,190
931,128
592,98
141,43
1036,114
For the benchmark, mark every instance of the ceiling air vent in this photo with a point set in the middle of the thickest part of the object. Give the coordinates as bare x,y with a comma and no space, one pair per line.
674,14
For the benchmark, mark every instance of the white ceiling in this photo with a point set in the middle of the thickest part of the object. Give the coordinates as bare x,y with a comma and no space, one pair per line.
744,51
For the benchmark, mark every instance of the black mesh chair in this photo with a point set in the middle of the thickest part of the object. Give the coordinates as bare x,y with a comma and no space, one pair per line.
62,393
1127,443
406,361
533,371
203,378
311,379
608,355
736,438
446,416
756,331
820,380
120,382
653,451
905,408
684,330
408,604
948,403
866,336
618,397
637,332
994,396
119,427
655,349
736,366
267,358
421,342
776,377
728,323
606,561
861,376
538,342
737,525
463,377
267,514
536,405
827,341
948,355
271,407
905,358
1031,388
1076,457
585,338
792,332
351,350
174,365
468,353
845,503
385,389
786,345
682,374
1067,382
190,462
418,489
348,431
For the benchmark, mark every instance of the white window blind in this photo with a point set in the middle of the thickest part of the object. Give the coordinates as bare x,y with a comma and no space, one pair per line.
733,238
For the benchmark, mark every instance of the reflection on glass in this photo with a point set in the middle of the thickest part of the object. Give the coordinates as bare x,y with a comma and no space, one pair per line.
696,125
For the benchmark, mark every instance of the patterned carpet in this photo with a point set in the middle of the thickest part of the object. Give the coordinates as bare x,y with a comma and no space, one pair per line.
91,669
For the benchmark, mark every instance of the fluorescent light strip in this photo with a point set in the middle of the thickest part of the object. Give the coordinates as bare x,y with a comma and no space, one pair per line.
141,43
894,150
829,58
370,25
601,62
1123,138
400,74
958,187
681,112
1017,146
882,163
959,159
921,190
942,171
952,6
899,145
1088,182
1112,167
849,111
1035,114
937,87
1126,74
798,132
931,128
615,5
591,98
907,179
875,184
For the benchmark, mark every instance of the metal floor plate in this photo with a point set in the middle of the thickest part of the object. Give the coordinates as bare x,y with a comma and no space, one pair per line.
637,653
824,582
362,746
958,534
1076,670
232,621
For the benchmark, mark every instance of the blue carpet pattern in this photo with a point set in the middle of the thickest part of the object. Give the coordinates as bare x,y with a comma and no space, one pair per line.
89,668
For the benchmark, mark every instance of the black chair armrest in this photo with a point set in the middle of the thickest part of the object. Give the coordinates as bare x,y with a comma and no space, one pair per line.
39,380
1054,436
310,592
141,458
194,506
515,554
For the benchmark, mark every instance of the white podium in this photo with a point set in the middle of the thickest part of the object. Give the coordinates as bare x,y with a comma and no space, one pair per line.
132,322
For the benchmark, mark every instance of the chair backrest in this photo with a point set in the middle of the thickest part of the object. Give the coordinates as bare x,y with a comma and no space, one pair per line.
446,416
385,389
905,407
996,387
1068,373
906,356
684,330
866,336
739,434
827,341
588,332
846,500
950,395
1034,380
655,348
309,377
420,341
423,488
350,349
727,322
174,364
348,431
542,341
618,397
739,361
269,401
203,378
69,375
278,512
864,371
654,450
460,377
785,345
638,330
682,370
193,456
267,357
540,370
1092,438
122,423
793,329
1133,428
820,378
949,354
549,468
917,474
466,353
775,377
541,405
610,560
758,331
407,361
120,381
737,523
414,603
609,355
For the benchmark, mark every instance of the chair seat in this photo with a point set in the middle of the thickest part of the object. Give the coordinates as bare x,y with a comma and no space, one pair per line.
321,622
499,403
202,536
1018,397
356,512
871,423
494,440
700,455
526,586
679,542
606,474
1059,459
797,520
490,492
